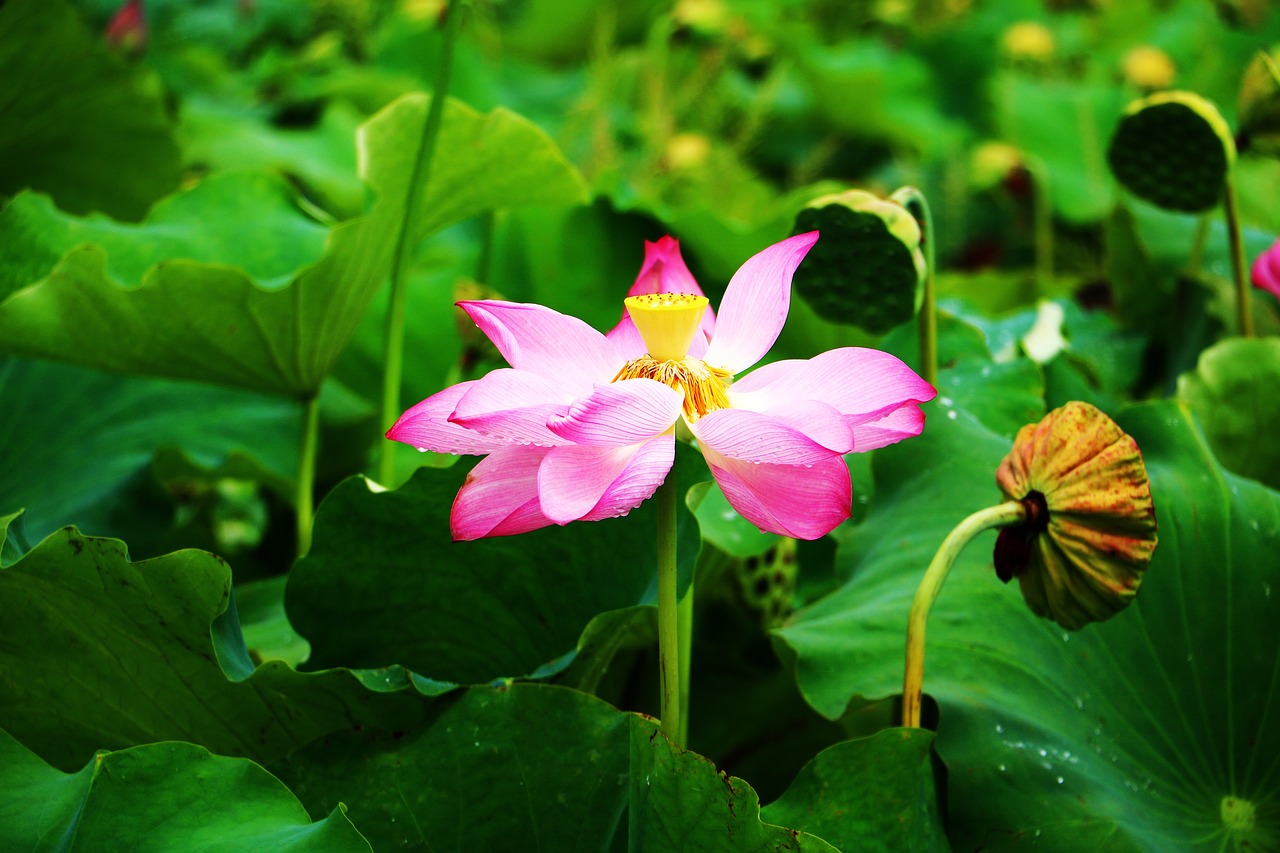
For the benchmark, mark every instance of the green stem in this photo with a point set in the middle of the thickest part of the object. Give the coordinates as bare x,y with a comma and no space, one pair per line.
684,627
671,700
402,260
915,202
307,471
1001,515
1238,267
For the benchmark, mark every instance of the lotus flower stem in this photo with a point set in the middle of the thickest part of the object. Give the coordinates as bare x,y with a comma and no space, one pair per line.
307,470
1239,268
684,626
402,260
1000,515
915,202
669,671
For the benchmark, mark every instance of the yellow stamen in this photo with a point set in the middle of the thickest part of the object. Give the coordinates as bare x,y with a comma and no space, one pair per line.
667,322
705,388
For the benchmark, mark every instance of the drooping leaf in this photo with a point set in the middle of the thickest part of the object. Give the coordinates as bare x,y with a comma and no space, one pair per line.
540,767
384,584
1132,733
880,793
1233,393
79,123
202,316
152,651
160,796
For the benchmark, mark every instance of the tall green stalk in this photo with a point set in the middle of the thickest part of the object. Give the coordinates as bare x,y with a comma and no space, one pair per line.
684,629
307,471
402,260
671,701
1239,268
1001,515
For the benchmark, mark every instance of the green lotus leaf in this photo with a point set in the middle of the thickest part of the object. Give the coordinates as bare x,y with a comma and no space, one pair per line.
227,284
1232,393
79,123
384,584
160,796
880,793
1059,126
554,768
1152,731
102,652
117,425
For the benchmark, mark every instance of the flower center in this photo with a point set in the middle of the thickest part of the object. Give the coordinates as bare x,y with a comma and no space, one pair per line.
705,387
667,322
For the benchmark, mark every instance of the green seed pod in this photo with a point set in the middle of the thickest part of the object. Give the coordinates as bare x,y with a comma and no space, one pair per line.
1260,106
1174,150
1091,527
867,269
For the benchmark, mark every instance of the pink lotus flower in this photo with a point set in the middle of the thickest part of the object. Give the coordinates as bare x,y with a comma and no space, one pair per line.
1266,270
581,426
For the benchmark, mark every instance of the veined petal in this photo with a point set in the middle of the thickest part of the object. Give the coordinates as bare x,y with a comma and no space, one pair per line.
855,380
500,496
426,426
574,480
803,502
755,304
888,428
622,413
512,406
645,471
758,437
556,346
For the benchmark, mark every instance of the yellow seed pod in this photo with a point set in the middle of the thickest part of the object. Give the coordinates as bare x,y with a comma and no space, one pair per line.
1091,529
1148,67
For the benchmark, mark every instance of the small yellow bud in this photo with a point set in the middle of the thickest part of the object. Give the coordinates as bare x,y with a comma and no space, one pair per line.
1028,41
1148,67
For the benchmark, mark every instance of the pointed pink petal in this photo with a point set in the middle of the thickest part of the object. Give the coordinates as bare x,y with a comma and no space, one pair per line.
855,380
664,270
573,480
556,346
638,481
426,426
757,437
889,428
500,496
755,304
803,502
512,406
618,414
